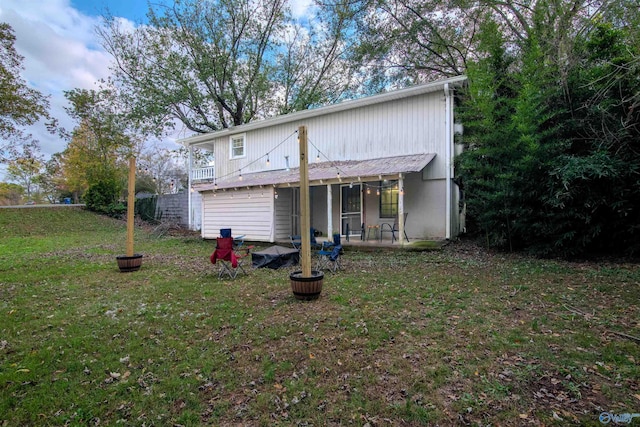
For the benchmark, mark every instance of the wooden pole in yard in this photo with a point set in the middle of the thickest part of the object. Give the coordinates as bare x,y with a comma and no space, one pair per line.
131,199
305,221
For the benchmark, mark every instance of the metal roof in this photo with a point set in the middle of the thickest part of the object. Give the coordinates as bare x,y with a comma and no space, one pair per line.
326,173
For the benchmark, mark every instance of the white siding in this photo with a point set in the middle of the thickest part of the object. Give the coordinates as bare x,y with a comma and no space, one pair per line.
248,213
283,206
406,126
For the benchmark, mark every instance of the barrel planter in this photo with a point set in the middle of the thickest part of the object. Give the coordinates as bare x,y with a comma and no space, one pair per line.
129,263
306,288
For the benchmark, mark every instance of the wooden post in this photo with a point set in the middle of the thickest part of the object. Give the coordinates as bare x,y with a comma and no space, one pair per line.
131,199
305,221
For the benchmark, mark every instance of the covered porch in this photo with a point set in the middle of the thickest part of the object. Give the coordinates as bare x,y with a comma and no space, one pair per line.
353,198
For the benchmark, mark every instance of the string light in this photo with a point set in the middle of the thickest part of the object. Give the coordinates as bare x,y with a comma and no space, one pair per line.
259,159
402,191
318,157
377,191
368,190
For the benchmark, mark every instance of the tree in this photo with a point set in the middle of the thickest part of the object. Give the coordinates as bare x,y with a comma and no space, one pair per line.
160,172
10,194
552,155
52,181
19,105
221,63
96,155
25,171
409,41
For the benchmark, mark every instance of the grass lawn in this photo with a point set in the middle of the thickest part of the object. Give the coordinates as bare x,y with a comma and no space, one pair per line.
459,336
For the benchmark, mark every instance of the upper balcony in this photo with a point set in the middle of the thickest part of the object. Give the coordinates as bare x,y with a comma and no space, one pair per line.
203,173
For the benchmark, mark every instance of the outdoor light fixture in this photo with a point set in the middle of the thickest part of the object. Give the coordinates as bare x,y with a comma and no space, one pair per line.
240,177
368,190
268,161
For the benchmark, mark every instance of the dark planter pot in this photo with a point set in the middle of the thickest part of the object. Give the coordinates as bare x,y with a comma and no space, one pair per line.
306,288
129,263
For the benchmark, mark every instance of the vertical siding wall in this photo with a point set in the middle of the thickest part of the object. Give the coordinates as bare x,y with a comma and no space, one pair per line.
246,212
283,208
406,126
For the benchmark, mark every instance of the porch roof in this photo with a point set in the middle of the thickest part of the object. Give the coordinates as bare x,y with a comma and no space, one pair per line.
327,173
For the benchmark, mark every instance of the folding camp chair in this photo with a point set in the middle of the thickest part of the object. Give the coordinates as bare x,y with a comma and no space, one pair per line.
388,228
230,259
296,240
329,255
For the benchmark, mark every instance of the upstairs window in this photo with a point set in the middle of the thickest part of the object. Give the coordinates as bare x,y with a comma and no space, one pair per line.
237,146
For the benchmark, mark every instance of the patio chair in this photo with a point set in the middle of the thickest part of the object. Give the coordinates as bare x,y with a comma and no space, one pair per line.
296,240
388,228
329,255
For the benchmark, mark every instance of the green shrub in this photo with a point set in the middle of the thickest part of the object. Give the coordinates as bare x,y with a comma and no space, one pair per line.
102,197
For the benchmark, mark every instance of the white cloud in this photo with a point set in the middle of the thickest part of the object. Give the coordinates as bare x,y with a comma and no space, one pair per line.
300,8
61,52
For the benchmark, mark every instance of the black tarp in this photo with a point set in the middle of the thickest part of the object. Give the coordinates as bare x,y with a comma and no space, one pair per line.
275,257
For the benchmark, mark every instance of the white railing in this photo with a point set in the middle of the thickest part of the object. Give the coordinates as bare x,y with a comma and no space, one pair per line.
198,174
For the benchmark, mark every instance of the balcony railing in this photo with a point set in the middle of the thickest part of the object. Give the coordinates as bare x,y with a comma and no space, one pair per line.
199,174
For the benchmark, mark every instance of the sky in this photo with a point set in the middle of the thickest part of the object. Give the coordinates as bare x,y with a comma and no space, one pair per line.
61,51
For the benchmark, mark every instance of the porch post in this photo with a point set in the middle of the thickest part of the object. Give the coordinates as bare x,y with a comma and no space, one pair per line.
329,213
401,209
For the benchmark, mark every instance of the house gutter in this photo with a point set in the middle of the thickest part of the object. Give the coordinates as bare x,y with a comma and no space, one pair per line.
449,163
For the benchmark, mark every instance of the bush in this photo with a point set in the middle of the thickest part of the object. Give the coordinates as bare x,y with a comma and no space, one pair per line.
146,208
102,197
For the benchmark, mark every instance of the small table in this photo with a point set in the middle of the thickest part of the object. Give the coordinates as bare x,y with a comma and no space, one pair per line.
376,231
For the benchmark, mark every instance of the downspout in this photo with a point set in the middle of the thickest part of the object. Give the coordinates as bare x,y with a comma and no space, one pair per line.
448,160
189,203
329,213
401,223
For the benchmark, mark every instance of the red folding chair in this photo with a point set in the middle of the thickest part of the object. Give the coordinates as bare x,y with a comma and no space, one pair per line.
230,257
225,255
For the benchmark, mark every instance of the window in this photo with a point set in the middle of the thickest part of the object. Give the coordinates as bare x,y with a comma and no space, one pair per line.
389,199
236,146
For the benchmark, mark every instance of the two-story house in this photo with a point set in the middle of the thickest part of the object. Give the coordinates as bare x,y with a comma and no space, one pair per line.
371,160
